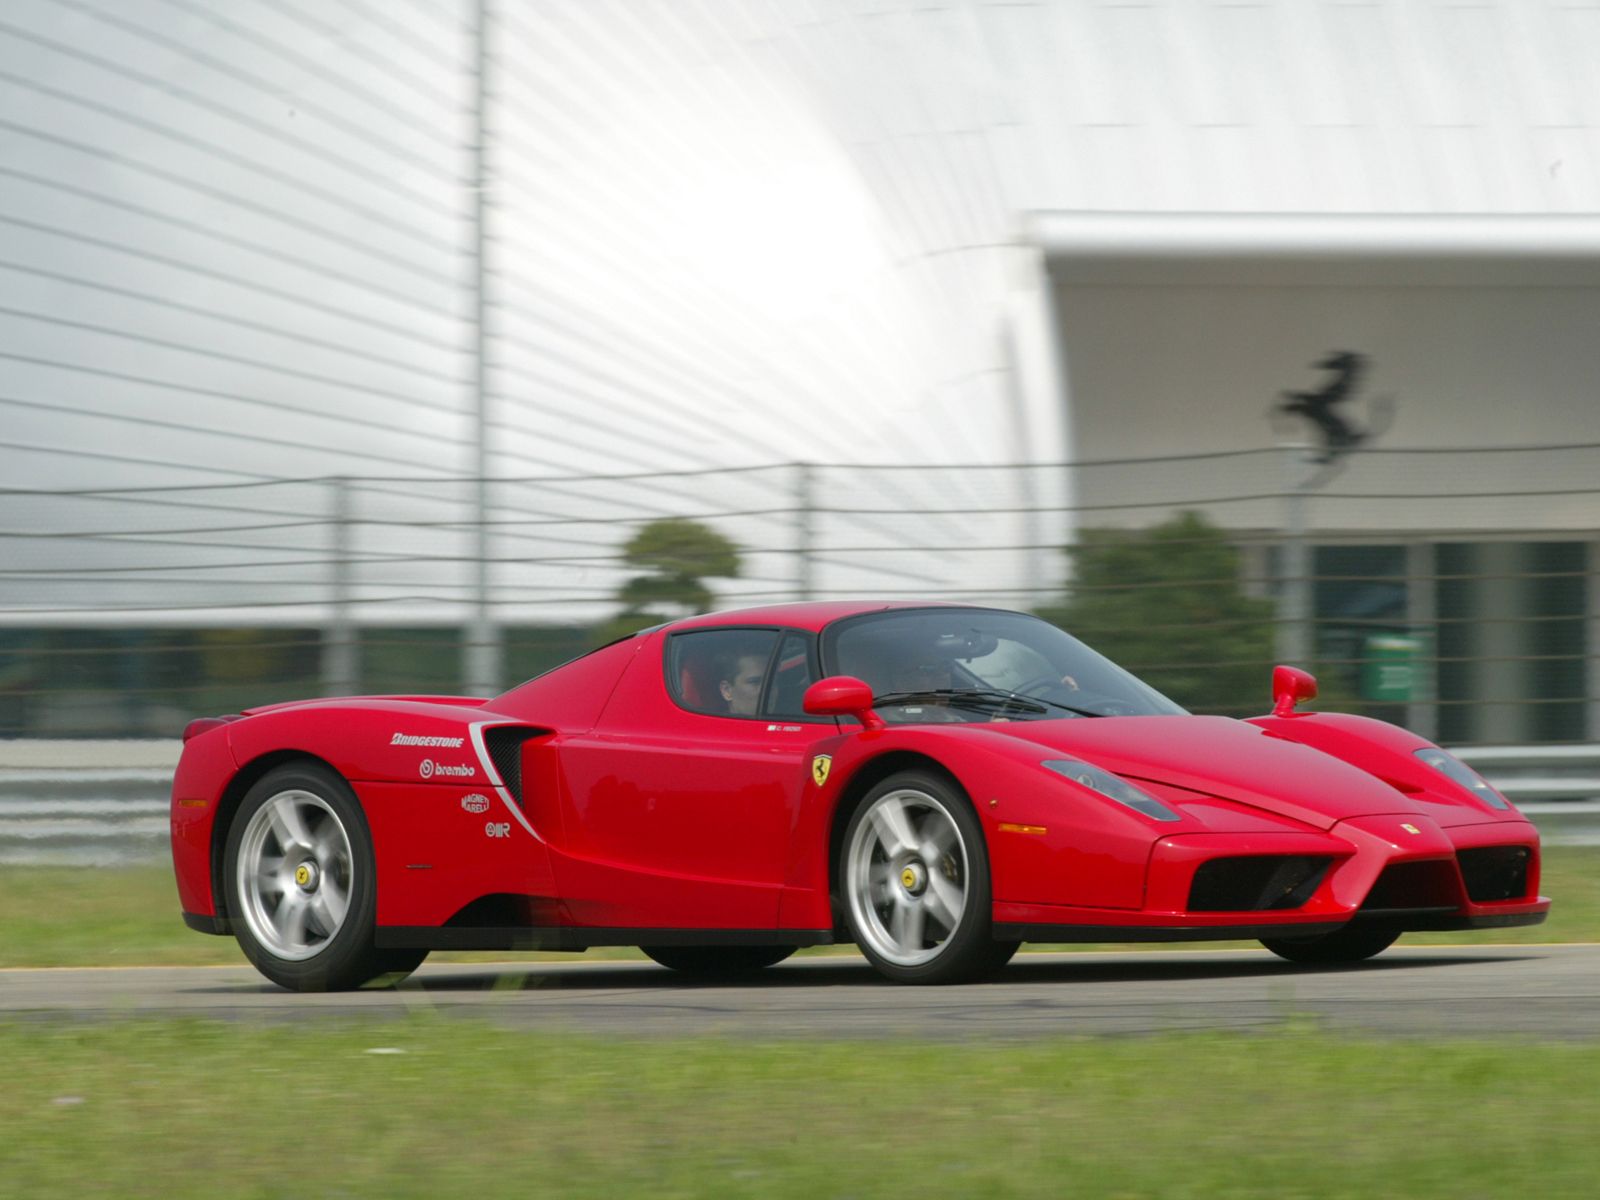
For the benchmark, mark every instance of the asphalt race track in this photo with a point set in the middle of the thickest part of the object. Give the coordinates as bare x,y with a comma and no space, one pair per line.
1539,991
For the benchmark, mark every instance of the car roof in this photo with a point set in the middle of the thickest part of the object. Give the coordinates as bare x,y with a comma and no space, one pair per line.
812,615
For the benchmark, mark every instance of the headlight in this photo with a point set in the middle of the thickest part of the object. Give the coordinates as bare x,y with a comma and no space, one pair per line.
1449,764
1111,787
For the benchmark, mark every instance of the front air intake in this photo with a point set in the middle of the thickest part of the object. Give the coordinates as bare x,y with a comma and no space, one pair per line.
1494,873
1256,883
1429,885
504,743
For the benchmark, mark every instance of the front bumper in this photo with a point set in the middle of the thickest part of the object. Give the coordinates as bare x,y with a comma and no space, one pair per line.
1401,872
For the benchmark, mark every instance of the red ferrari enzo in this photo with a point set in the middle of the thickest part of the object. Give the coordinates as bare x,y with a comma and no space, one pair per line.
936,784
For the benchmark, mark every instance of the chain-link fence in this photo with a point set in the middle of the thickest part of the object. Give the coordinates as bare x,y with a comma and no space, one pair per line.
1452,591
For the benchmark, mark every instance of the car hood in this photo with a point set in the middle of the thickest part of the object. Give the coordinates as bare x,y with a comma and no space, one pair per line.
1221,757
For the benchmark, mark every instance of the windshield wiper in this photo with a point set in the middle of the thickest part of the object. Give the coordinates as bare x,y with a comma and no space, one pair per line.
976,698
982,699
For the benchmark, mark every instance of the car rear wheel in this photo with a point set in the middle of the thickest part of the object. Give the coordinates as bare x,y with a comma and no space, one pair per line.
914,877
301,887
1347,945
718,960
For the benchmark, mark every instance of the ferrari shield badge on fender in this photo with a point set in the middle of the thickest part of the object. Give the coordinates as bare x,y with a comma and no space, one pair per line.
819,768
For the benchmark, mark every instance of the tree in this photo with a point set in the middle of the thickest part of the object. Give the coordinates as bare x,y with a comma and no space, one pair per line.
1167,604
676,556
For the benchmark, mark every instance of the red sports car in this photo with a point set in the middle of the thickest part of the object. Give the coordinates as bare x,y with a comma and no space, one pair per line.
936,784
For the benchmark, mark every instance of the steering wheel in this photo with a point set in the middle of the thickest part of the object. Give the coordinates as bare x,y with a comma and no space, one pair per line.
1098,703
1038,685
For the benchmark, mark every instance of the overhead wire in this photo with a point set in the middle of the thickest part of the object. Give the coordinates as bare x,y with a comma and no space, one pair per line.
107,456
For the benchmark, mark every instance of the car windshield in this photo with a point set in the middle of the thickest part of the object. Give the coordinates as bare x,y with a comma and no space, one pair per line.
973,664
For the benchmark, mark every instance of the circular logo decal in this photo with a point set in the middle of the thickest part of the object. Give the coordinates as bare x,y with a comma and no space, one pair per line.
427,768
302,874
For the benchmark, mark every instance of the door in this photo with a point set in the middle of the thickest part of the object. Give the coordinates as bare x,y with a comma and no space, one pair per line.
682,802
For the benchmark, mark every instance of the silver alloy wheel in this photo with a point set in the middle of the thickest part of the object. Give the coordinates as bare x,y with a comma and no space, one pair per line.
906,876
294,874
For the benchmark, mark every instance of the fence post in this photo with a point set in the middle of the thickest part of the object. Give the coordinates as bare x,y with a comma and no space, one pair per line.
1591,645
803,531
1422,616
1294,640
341,652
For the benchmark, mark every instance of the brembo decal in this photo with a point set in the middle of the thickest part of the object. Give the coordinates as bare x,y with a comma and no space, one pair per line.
429,769
412,739
475,803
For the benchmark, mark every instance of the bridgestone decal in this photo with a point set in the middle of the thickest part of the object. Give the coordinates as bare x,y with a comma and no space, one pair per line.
411,739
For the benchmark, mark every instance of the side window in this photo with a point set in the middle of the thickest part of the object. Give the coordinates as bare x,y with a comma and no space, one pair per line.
792,674
719,671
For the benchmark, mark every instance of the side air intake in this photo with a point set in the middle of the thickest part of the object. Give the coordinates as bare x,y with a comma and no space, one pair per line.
504,743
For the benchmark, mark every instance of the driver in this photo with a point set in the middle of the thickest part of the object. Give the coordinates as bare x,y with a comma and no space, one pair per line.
739,682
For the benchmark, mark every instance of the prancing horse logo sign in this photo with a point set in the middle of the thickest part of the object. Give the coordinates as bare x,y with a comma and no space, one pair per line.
819,768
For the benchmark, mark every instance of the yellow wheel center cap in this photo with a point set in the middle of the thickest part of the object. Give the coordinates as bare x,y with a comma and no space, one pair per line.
914,878
306,876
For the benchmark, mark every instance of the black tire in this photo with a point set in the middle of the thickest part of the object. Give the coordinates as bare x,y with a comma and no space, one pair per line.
319,959
965,952
718,960
1000,953
1347,945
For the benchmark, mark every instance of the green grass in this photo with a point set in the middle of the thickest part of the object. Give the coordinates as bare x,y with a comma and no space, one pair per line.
180,1109
129,916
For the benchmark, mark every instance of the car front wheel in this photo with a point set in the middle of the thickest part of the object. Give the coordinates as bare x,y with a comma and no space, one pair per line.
301,886
718,960
1347,945
914,877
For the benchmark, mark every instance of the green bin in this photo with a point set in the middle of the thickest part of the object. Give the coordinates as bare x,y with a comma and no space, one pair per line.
1389,670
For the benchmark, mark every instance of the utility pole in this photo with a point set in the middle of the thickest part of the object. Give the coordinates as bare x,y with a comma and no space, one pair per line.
341,653
803,516
1295,642
481,654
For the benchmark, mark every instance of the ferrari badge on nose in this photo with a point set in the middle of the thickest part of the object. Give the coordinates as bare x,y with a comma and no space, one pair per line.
819,768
